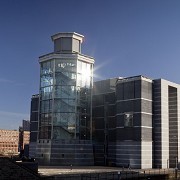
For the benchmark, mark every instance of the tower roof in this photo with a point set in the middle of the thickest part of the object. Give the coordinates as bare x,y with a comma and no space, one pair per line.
73,35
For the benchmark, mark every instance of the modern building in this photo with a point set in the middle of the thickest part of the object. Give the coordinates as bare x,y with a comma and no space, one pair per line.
166,123
34,114
9,140
122,122
136,122
65,124
122,115
104,121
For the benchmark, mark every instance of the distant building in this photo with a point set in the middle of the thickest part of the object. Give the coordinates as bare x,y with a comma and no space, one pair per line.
24,137
26,125
9,140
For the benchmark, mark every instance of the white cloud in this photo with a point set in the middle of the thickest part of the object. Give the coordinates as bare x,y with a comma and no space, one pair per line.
3,80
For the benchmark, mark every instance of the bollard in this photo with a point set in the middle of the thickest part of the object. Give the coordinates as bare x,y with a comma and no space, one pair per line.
119,175
176,171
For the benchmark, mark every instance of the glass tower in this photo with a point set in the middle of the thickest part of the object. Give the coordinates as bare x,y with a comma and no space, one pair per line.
65,90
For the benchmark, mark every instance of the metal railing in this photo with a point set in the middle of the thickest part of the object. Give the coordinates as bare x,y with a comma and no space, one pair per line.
124,174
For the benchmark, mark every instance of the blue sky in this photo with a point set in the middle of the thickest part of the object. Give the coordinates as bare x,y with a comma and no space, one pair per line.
126,38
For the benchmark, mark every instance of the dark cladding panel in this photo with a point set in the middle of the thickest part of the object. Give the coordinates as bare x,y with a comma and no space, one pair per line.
98,100
110,98
99,135
119,91
133,134
33,136
137,105
112,135
98,111
129,90
33,126
34,118
137,87
99,123
125,106
111,110
137,119
34,104
120,120
129,106
111,122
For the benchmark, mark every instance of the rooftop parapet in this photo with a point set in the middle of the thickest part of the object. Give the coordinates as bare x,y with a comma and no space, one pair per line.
67,42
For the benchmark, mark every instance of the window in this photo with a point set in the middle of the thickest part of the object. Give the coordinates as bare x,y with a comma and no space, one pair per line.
128,119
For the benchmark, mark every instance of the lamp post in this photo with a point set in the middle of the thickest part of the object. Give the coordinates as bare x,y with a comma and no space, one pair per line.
176,162
176,169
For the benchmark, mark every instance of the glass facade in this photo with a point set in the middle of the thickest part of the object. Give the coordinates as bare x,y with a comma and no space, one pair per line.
65,99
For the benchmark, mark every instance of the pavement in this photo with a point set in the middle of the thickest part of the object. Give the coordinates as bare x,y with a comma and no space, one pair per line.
57,170
77,170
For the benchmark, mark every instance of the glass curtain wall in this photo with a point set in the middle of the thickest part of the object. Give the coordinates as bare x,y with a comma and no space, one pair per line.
84,88
64,114
46,87
65,101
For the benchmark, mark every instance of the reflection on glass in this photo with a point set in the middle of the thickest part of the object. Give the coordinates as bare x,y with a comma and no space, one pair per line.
46,92
65,84
84,75
46,80
128,119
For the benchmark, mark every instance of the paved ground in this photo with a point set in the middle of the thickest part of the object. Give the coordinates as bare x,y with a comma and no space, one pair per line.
55,170
64,170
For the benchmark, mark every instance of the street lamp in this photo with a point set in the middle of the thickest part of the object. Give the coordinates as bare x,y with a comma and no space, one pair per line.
176,162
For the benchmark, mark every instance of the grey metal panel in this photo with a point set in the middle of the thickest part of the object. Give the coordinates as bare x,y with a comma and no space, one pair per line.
57,45
76,45
146,106
146,120
157,153
173,126
146,89
66,44
146,134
